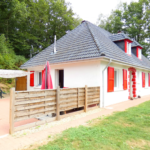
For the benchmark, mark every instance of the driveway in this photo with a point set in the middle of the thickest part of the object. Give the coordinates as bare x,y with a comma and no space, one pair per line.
4,117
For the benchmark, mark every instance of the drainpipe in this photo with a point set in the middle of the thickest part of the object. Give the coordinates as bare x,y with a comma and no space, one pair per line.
103,97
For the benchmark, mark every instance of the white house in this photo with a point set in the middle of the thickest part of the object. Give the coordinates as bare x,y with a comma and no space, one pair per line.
90,55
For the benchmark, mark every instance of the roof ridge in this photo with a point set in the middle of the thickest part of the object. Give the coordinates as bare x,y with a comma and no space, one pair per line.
93,37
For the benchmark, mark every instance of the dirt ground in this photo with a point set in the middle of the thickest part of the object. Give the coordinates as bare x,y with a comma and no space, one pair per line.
4,116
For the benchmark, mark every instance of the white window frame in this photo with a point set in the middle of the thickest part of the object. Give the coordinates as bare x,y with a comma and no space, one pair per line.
117,86
140,53
146,80
39,77
128,48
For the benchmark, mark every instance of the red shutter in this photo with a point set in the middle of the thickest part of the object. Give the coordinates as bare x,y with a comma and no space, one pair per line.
110,79
32,78
124,79
42,74
143,79
125,46
149,79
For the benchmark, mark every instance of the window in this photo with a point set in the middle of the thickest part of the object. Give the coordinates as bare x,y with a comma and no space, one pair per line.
40,78
116,79
146,79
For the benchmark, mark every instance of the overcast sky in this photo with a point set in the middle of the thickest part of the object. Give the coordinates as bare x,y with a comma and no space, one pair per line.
90,9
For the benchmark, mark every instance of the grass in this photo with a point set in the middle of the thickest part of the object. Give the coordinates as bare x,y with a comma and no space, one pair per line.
127,130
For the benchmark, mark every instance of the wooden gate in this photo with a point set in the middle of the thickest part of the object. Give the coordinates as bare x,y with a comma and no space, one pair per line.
21,83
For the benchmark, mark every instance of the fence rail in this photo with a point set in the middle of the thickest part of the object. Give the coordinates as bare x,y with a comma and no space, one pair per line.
32,104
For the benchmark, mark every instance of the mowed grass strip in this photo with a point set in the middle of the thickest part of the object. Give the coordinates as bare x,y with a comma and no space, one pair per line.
125,130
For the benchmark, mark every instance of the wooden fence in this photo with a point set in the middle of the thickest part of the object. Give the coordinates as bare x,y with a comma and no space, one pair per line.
32,104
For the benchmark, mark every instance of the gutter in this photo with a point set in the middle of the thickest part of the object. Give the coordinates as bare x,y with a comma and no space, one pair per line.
103,79
126,64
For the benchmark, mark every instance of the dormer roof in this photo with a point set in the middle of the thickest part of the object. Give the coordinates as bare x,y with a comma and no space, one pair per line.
135,44
119,37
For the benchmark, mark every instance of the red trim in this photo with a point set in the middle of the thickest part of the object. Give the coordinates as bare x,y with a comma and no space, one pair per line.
125,46
137,52
110,79
139,47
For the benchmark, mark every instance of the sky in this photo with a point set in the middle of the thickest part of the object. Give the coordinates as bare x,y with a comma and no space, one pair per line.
90,9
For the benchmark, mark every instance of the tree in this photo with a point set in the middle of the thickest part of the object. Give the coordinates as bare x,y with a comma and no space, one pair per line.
34,22
132,19
8,59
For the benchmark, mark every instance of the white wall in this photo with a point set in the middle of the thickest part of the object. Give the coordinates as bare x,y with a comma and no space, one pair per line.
119,95
75,75
79,75
90,74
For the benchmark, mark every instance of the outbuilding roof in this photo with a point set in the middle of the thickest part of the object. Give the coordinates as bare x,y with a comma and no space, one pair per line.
84,42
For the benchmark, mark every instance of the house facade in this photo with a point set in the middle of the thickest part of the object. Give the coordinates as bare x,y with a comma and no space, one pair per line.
90,55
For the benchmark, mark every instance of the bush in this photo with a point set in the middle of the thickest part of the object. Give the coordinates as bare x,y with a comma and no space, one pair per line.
9,81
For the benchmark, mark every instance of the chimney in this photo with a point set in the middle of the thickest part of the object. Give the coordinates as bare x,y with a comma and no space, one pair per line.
54,43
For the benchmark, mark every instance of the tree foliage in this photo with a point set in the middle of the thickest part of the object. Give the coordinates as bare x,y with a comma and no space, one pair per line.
132,19
34,22
8,59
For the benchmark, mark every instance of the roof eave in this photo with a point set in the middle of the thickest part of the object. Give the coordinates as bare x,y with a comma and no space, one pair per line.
66,62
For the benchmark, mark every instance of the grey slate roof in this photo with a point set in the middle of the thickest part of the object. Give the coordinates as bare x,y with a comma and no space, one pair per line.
119,37
135,43
85,41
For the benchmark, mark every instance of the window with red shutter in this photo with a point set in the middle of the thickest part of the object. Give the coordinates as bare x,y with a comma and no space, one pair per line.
124,79
110,79
143,79
32,78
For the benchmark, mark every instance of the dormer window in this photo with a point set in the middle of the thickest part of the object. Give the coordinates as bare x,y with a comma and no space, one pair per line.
136,49
122,41
128,46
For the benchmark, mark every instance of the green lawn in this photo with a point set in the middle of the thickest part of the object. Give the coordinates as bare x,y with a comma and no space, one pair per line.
121,131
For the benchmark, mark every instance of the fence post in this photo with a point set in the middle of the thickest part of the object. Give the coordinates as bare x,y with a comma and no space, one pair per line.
57,104
11,117
85,107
